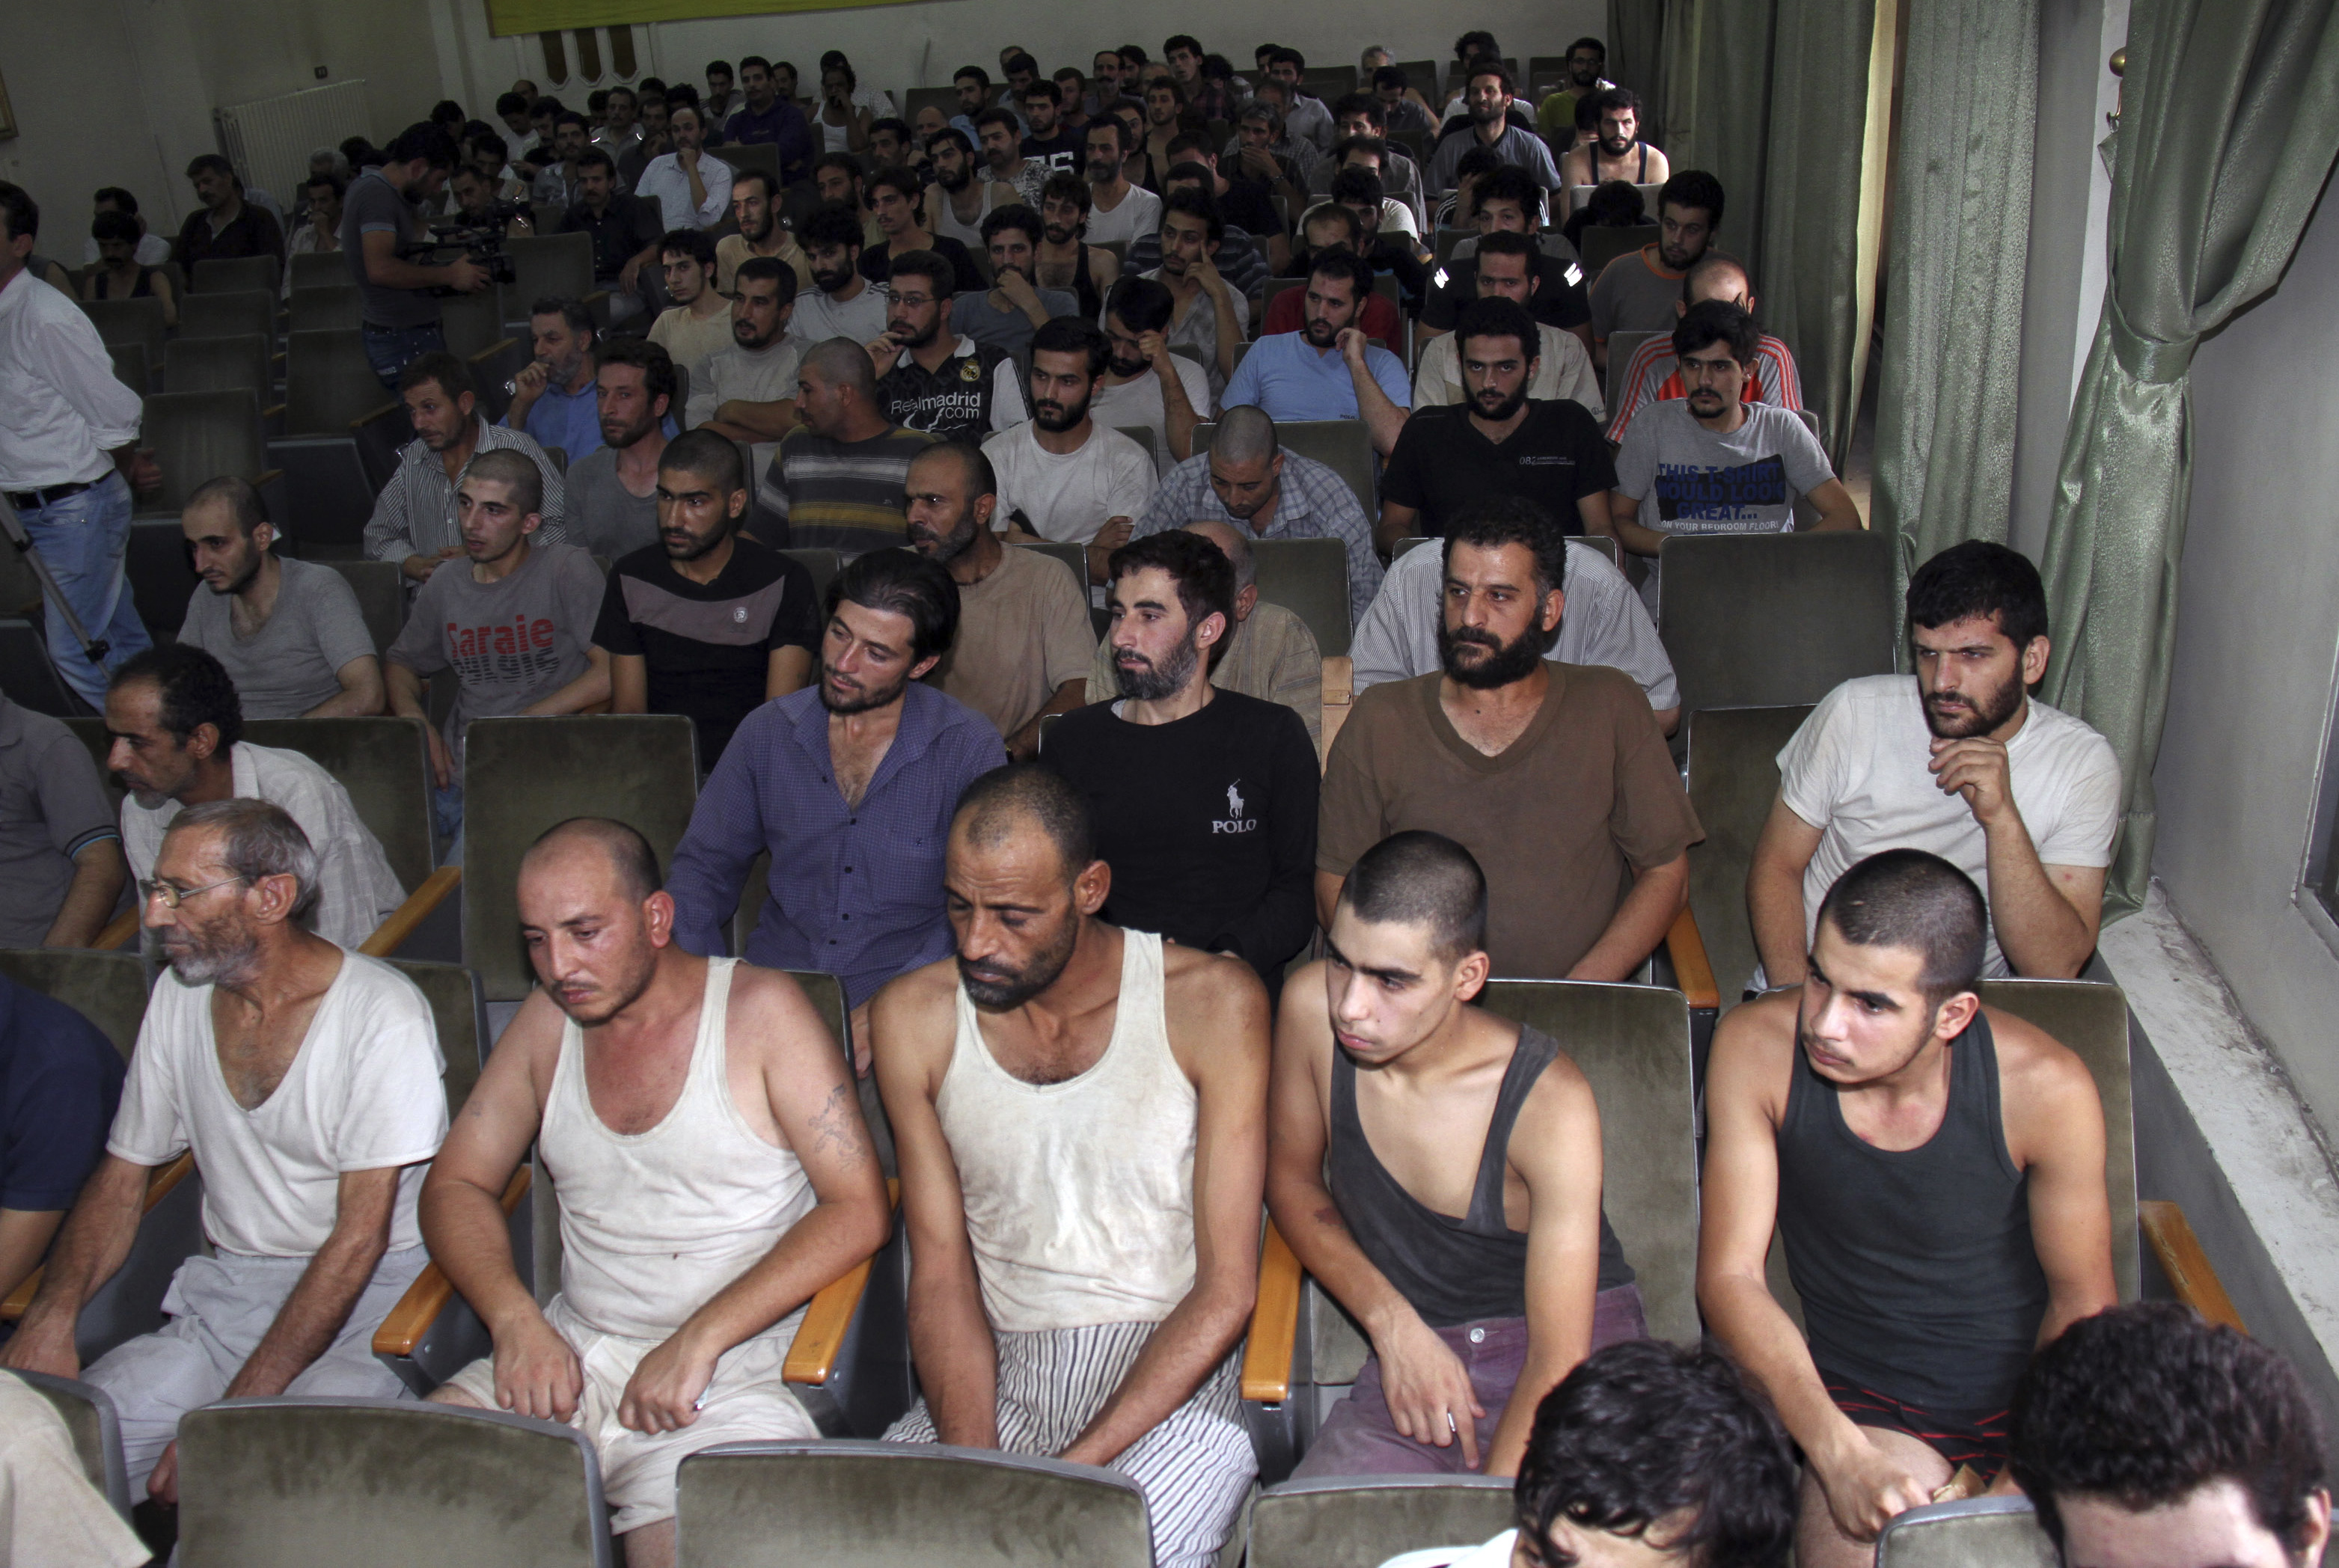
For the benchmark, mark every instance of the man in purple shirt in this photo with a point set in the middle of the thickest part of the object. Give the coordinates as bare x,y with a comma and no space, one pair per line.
768,117
850,783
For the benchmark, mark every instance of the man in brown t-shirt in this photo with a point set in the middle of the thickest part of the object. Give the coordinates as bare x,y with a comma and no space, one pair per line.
1555,775
1024,638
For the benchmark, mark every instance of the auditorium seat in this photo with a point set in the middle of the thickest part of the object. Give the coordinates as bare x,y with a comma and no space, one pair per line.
1342,445
95,1430
1632,1042
545,266
1974,1533
1758,620
238,274
500,360
328,383
1309,577
108,989
822,565
1600,244
1363,1521
320,269
161,567
129,322
382,762
474,322
381,589
1601,542
325,309
380,435
29,676
245,362
229,315
131,367
745,155
1443,242
1621,347
197,437
385,1483
1733,777
1074,556
861,1504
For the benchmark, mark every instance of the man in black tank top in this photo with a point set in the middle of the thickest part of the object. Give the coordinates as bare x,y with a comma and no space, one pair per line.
1419,1149
1935,1171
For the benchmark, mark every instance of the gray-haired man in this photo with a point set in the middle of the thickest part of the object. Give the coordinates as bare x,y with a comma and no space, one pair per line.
304,1080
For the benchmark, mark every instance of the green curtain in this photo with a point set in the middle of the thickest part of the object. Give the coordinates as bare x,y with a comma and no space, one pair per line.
1636,32
1718,71
1960,238
2227,133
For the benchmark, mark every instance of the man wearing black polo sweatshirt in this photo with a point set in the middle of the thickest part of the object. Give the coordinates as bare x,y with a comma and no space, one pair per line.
1204,799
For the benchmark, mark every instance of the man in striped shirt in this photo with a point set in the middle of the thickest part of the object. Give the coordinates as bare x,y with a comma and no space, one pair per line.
413,520
836,481
1654,374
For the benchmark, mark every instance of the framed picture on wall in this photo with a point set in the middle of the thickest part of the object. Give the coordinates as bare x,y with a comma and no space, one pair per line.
7,116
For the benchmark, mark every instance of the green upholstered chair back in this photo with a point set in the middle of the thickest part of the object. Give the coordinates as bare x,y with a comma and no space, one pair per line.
1341,445
473,323
323,310
108,989
523,776
460,1013
236,275
198,437
822,565
858,1505
384,764
1733,776
1361,1521
320,269
545,267
1600,244
1621,347
1309,577
129,368
87,1412
385,1483
1759,620
2091,1020
242,362
1977,1532
328,383
229,313
130,322
381,589
1074,556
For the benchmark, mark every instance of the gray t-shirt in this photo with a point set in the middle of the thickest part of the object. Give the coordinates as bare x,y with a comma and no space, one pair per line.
292,662
373,206
511,642
604,517
52,807
1691,480
1635,293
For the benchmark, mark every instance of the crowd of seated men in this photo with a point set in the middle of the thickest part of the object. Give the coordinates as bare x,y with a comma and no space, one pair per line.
1134,951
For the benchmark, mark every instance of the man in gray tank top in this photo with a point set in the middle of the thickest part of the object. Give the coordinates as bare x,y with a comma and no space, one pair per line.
1421,1150
1935,1171
715,1174
1080,1116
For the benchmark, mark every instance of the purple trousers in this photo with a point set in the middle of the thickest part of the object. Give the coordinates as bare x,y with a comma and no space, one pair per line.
1359,1437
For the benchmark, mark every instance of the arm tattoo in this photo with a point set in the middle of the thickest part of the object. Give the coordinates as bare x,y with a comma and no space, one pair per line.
833,1128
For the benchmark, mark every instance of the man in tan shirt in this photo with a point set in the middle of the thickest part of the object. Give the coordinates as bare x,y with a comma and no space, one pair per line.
1270,654
756,203
1555,777
1022,651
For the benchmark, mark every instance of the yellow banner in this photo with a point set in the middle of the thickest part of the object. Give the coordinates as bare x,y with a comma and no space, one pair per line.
507,18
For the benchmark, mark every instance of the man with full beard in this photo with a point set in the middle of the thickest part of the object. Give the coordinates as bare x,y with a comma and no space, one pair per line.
304,1080
850,785
1023,641
1326,370
1555,777
933,380
1497,440
1956,760
1061,477
1080,1114
705,621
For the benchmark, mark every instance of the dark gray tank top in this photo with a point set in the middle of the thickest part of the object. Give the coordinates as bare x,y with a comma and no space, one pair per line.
1916,1268
1451,1270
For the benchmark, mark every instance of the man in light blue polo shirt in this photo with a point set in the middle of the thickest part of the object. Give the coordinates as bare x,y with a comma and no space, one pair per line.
1326,370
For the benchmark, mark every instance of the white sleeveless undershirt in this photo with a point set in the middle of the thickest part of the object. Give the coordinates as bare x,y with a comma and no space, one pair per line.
1080,1195
654,1224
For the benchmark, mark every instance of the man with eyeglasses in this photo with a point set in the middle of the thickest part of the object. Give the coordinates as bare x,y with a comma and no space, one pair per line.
176,728
304,1080
933,379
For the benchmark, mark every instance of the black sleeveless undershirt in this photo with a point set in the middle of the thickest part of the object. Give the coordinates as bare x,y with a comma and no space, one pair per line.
1916,1268
1451,1270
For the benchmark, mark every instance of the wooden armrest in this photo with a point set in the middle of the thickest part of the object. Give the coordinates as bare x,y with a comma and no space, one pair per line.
819,1337
427,1297
370,415
391,934
2190,1273
1340,679
1693,970
1274,1323
119,933
269,412
158,1187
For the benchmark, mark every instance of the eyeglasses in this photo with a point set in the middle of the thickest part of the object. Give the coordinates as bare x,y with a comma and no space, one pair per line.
171,895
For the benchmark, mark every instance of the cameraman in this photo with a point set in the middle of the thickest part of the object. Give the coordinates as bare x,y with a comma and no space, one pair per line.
383,214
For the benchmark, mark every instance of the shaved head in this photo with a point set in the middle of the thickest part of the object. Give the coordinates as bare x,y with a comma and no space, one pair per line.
1244,435
1422,878
632,863
841,362
1028,797
1231,545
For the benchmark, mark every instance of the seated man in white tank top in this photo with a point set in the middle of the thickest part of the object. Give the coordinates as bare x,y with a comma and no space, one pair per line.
1079,1113
700,1123
1438,1168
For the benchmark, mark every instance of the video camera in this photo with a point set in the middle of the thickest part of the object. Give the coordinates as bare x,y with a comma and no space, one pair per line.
482,241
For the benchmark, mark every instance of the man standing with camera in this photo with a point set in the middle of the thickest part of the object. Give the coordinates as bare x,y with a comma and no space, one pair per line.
383,216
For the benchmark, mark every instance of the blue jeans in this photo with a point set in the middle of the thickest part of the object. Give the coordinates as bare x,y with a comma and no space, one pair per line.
389,349
83,539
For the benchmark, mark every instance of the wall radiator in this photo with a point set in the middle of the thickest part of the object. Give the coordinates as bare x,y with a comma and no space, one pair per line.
269,140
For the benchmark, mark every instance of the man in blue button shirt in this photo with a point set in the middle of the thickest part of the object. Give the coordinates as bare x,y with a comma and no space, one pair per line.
556,399
1326,370
850,783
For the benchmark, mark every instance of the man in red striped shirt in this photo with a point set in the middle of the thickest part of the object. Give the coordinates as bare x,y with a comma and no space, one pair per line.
1654,374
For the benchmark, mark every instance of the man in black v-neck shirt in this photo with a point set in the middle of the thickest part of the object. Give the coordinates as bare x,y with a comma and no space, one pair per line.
704,623
1496,441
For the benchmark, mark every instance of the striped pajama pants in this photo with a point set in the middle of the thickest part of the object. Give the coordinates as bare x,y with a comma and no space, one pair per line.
1195,1469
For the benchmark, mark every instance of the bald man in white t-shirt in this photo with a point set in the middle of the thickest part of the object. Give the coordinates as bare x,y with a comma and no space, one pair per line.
1957,761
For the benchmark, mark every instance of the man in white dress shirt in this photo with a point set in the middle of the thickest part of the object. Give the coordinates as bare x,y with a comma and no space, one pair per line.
691,187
